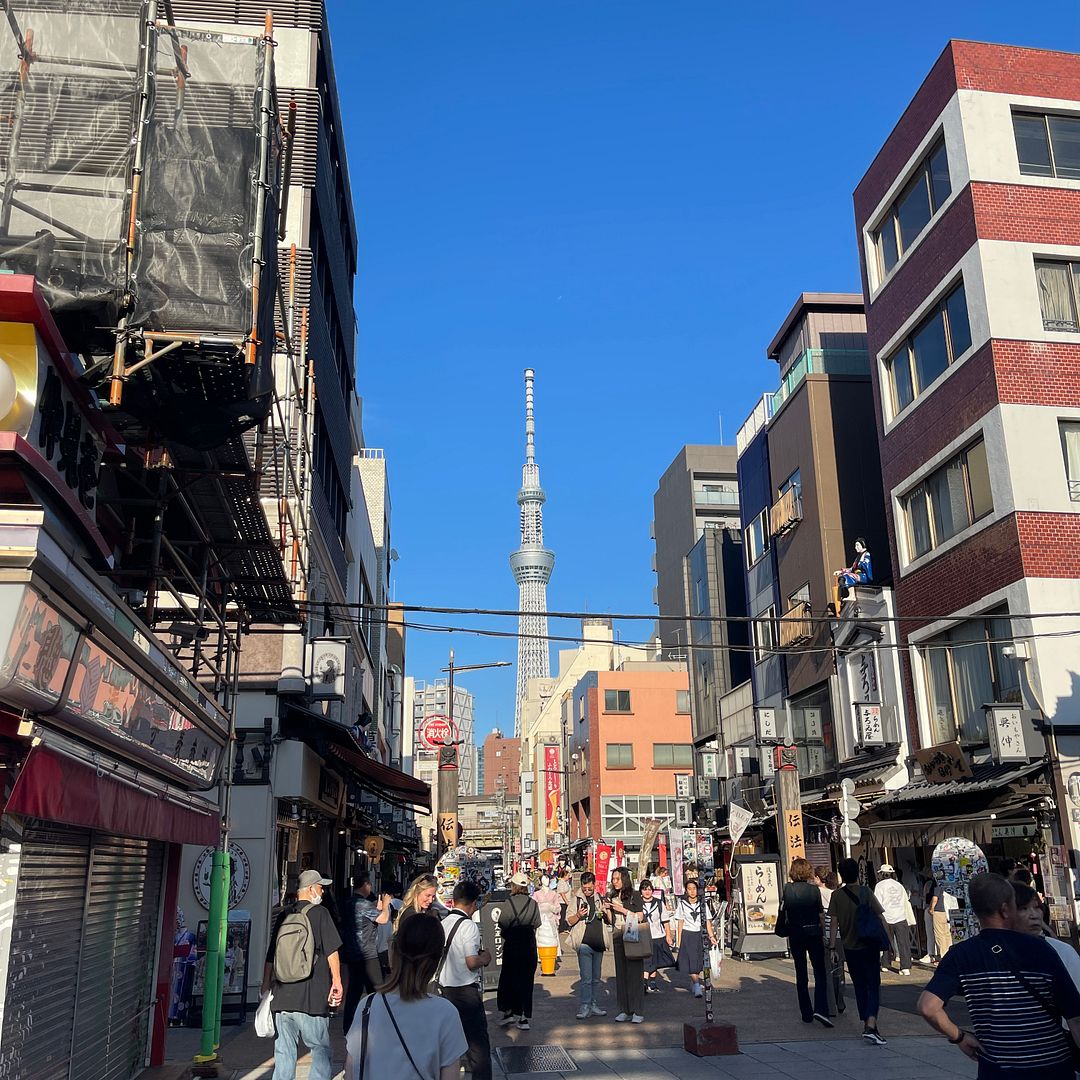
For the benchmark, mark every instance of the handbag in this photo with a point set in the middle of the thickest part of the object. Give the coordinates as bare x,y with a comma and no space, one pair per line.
868,928
665,958
264,1018
638,947
782,929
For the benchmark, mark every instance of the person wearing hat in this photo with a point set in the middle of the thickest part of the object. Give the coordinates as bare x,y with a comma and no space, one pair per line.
519,919
893,898
302,1009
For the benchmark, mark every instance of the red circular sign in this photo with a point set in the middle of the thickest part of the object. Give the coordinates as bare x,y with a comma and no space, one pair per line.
437,730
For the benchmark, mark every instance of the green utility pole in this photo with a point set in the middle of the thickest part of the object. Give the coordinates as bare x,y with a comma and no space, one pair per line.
217,929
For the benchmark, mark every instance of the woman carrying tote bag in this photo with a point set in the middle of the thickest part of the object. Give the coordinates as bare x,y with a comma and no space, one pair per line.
632,943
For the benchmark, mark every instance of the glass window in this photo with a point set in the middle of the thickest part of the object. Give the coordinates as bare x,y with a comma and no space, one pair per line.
620,755
756,540
1070,447
899,366
920,199
669,755
1057,297
959,327
1032,145
913,210
616,700
948,500
764,635
978,475
930,350
682,701
1065,139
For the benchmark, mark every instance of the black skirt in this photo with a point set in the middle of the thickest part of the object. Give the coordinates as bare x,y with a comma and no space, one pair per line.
691,956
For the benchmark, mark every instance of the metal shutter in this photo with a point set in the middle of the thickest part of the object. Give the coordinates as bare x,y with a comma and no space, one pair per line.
119,948
39,1011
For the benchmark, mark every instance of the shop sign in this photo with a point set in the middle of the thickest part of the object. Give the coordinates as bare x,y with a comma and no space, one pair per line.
1013,832
437,731
739,819
239,875
329,787
814,731
761,895
709,764
868,726
53,667
767,731
943,763
551,787
863,677
1006,728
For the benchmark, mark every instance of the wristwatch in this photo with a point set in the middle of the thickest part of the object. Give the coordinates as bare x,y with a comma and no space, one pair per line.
960,1038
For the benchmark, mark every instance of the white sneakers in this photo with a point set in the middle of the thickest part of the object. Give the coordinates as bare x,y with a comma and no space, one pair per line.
637,1018
523,1024
506,1020
905,971
595,1010
622,1018
584,1012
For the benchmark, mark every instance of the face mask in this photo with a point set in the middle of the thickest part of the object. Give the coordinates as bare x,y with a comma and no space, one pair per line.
315,900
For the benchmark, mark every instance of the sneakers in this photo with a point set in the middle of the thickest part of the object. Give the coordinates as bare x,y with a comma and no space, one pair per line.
652,988
874,1036
925,959
583,1013
698,992
905,971
506,1020
523,1024
823,1020
637,1018
595,1010
622,1018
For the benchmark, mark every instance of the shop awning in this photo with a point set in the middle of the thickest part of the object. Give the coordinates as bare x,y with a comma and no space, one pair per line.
332,738
54,787
985,777
976,825
390,782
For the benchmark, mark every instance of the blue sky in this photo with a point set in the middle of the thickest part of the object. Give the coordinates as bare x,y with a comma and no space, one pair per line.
627,196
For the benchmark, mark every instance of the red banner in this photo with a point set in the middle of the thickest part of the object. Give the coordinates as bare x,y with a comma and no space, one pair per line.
603,867
552,788
620,853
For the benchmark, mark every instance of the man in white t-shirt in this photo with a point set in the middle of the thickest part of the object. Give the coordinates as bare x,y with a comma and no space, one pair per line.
459,974
893,898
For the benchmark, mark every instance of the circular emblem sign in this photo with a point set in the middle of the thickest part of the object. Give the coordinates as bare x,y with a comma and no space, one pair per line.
437,730
239,876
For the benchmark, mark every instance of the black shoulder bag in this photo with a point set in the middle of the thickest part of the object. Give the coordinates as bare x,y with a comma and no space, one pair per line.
364,1035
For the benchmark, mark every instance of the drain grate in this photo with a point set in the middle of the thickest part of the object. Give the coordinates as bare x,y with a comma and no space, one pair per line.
535,1059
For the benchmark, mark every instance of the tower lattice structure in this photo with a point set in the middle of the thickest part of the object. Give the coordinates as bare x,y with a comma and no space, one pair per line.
532,564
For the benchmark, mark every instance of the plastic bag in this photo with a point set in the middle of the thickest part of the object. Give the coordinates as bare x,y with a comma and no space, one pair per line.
264,1018
716,959
631,931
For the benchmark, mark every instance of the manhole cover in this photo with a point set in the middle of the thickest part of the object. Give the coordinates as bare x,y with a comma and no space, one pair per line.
535,1059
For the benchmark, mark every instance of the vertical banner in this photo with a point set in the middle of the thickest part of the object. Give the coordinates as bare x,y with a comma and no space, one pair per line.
663,845
677,883
652,828
789,818
603,867
620,853
552,788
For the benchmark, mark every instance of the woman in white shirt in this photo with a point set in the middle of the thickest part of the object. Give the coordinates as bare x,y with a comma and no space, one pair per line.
403,1030
688,938
660,928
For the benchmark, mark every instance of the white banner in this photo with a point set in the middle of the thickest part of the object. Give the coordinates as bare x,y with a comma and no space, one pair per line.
738,820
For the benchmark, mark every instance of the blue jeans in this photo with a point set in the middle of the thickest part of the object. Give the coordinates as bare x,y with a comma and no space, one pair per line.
315,1031
589,964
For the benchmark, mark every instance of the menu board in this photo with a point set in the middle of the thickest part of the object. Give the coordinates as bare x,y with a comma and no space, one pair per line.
759,882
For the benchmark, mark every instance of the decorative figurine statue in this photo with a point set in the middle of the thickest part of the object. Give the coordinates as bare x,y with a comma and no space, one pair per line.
860,572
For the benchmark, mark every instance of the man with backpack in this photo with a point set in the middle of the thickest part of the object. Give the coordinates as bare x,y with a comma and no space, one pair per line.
459,973
857,919
304,972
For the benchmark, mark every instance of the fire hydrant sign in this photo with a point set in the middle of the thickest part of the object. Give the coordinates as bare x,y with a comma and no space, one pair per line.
436,731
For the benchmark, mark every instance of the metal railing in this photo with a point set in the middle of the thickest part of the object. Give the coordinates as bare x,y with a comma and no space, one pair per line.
785,513
795,625
716,498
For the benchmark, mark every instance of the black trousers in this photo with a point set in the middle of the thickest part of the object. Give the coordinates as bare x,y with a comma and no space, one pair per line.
364,976
469,1003
813,947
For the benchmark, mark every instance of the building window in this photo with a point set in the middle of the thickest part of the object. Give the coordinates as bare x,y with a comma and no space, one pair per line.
682,697
1070,447
1059,286
624,817
793,481
764,635
951,498
938,341
672,755
528,811
620,755
966,668
922,197
616,701
1048,145
528,787
757,538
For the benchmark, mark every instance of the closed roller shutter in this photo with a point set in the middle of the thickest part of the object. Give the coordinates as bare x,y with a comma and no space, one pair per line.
119,947
47,930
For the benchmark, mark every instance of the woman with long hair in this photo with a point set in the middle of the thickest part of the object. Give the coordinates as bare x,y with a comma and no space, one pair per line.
419,899
519,919
803,912
688,939
660,931
402,1030
623,908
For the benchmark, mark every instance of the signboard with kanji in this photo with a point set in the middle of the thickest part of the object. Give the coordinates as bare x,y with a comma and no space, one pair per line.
1006,728
760,882
868,724
943,763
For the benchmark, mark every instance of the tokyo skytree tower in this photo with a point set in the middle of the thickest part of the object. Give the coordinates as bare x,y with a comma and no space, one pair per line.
532,564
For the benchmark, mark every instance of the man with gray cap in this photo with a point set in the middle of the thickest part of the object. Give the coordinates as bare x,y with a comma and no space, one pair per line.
304,972
893,898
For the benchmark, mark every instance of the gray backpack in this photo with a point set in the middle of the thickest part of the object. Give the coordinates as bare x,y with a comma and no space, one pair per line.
294,947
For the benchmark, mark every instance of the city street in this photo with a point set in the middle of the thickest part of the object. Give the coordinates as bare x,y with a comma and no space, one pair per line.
757,997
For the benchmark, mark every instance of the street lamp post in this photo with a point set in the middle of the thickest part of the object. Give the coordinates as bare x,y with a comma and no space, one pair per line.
449,768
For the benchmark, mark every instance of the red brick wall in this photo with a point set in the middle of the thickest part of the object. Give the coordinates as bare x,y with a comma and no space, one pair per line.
1009,69
1037,372
1026,213
1049,544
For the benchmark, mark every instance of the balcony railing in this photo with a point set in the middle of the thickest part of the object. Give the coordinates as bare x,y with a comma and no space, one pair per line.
716,498
761,415
786,512
796,625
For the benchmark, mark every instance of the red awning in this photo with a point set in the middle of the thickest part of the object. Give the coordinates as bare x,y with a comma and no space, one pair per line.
392,783
56,788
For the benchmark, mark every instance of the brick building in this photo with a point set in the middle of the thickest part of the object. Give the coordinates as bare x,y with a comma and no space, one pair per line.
969,235
502,764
